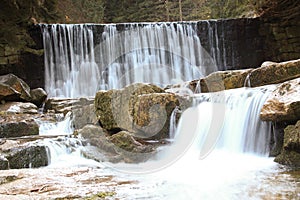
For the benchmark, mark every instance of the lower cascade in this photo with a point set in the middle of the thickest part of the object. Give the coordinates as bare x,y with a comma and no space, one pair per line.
220,150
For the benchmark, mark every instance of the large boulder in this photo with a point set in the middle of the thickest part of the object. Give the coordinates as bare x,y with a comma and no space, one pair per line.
141,109
17,126
271,73
290,154
13,88
284,103
114,107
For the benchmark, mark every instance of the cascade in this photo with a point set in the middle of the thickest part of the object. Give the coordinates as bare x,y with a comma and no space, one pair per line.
230,121
81,58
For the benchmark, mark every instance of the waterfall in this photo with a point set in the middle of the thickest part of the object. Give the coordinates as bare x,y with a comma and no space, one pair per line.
230,121
81,59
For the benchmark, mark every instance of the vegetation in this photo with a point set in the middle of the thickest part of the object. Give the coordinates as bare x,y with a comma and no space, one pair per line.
16,15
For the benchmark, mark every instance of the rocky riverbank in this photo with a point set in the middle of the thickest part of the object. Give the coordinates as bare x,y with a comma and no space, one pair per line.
128,124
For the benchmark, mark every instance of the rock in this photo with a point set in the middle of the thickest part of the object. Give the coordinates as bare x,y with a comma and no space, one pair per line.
222,80
271,73
19,108
83,116
3,163
114,107
13,88
31,156
38,96
290,154
66,105
291,140
130,149
17,126
289,158
284,103
151,115
97,137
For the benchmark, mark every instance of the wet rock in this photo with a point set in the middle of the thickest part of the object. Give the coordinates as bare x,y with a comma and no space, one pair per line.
271,73
290,154
120,147
284,103
19,108
38,96
17,126
31,156
114,107
96,136
13,88
151,115
130,149
83,116
222,80
66,105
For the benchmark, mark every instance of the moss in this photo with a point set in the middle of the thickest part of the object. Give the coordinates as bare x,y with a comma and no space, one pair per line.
100,195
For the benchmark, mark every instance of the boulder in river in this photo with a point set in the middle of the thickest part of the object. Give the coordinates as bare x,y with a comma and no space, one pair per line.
114,107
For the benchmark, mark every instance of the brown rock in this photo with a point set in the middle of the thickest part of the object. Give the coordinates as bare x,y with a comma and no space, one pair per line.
151,114
222,80
290,154
17,126
284,103
114,107
18,108
66,105
271,73
13,88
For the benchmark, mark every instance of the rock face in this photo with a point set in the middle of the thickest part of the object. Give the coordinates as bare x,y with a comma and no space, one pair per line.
142,109
290,154
271,73
13,88
284,103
